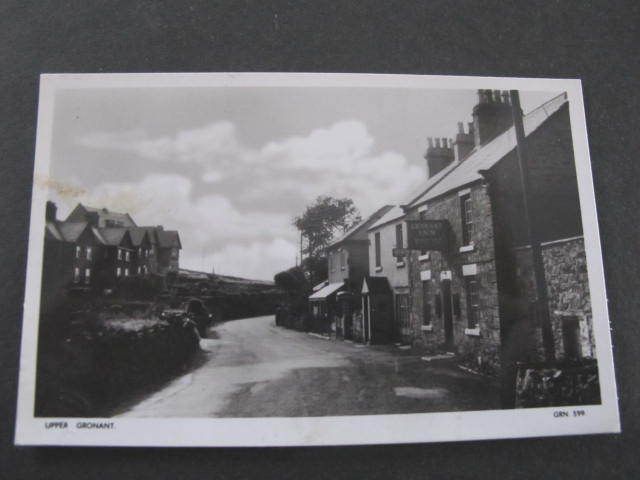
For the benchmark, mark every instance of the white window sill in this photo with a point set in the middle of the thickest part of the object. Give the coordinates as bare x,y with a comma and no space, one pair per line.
426,328
472,332
424,258
400,264
378,269
467,248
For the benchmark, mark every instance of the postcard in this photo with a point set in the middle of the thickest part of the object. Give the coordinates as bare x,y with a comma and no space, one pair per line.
244,259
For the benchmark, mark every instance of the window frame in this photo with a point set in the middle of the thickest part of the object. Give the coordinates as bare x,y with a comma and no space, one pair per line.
472,289
426,305
466,217
377,248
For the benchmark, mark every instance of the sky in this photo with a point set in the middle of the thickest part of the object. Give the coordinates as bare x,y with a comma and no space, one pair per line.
230,167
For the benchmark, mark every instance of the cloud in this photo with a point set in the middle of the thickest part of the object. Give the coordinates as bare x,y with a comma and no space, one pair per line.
212,176
208,224
235,212
257,260
199,145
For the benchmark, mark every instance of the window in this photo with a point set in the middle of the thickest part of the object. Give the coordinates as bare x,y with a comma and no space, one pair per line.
174,253
426,306
139,251
76,275
467,219
438,304
139,270
87,276
127,256
145,270
377,247
423,216
473,301
118,272
456,304
89,253
399,239
343,259
119,254
78,251
126,272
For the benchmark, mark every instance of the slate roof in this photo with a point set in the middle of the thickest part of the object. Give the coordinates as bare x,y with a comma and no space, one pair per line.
113,235
70,231
360,230
105,214
394,214
460,174
168,238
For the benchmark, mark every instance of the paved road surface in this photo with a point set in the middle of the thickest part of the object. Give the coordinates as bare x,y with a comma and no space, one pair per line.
251,368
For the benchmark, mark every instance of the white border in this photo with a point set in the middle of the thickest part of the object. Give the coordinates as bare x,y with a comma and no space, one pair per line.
343,430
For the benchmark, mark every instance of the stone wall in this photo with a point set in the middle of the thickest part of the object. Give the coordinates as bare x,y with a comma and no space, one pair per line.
567,281
479,347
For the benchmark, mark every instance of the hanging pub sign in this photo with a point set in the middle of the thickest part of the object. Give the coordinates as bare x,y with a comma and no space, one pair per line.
428,234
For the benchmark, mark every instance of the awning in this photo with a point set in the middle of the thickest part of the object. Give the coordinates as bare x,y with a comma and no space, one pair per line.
326,291
320,285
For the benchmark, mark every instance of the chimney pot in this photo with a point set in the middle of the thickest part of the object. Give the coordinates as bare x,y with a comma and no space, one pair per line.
430,141
505,97
460,127
437,143
445,142
496,96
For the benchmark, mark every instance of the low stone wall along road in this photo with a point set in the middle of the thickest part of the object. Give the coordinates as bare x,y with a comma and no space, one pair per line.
251,368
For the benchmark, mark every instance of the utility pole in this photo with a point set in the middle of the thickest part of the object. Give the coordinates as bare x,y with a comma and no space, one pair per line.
542,303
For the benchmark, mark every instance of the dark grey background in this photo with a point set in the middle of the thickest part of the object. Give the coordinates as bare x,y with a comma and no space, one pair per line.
596,41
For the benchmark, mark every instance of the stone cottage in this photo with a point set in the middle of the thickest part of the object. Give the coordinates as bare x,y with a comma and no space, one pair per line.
469,261
332,305
385,293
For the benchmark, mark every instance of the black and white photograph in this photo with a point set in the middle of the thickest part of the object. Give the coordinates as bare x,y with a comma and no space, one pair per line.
312,259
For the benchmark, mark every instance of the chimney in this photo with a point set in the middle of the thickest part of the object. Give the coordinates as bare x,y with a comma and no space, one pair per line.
51,212
463,143
491,116
439,155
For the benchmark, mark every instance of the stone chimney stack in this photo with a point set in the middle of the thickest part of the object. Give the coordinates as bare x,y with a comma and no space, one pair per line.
491,116
439,155
463,143
51,212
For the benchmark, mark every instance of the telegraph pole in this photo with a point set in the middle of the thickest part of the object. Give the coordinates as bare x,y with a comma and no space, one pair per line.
542,304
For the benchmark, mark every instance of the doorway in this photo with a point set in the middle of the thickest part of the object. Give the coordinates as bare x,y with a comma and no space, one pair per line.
447,313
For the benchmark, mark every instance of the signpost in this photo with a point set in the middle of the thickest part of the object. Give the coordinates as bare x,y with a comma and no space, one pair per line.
428,235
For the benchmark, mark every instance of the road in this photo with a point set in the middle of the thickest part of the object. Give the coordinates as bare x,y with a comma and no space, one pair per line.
251,368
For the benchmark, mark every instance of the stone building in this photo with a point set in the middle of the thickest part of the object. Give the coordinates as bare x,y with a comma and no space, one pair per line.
471,291
385,293
95,249
348,263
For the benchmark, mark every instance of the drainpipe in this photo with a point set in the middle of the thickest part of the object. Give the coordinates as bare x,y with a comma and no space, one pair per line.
542,309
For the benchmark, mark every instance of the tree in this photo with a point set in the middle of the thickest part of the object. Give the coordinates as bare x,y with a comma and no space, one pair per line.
319,224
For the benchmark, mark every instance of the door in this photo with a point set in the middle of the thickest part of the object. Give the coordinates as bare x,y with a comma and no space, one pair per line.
402,317
447,313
